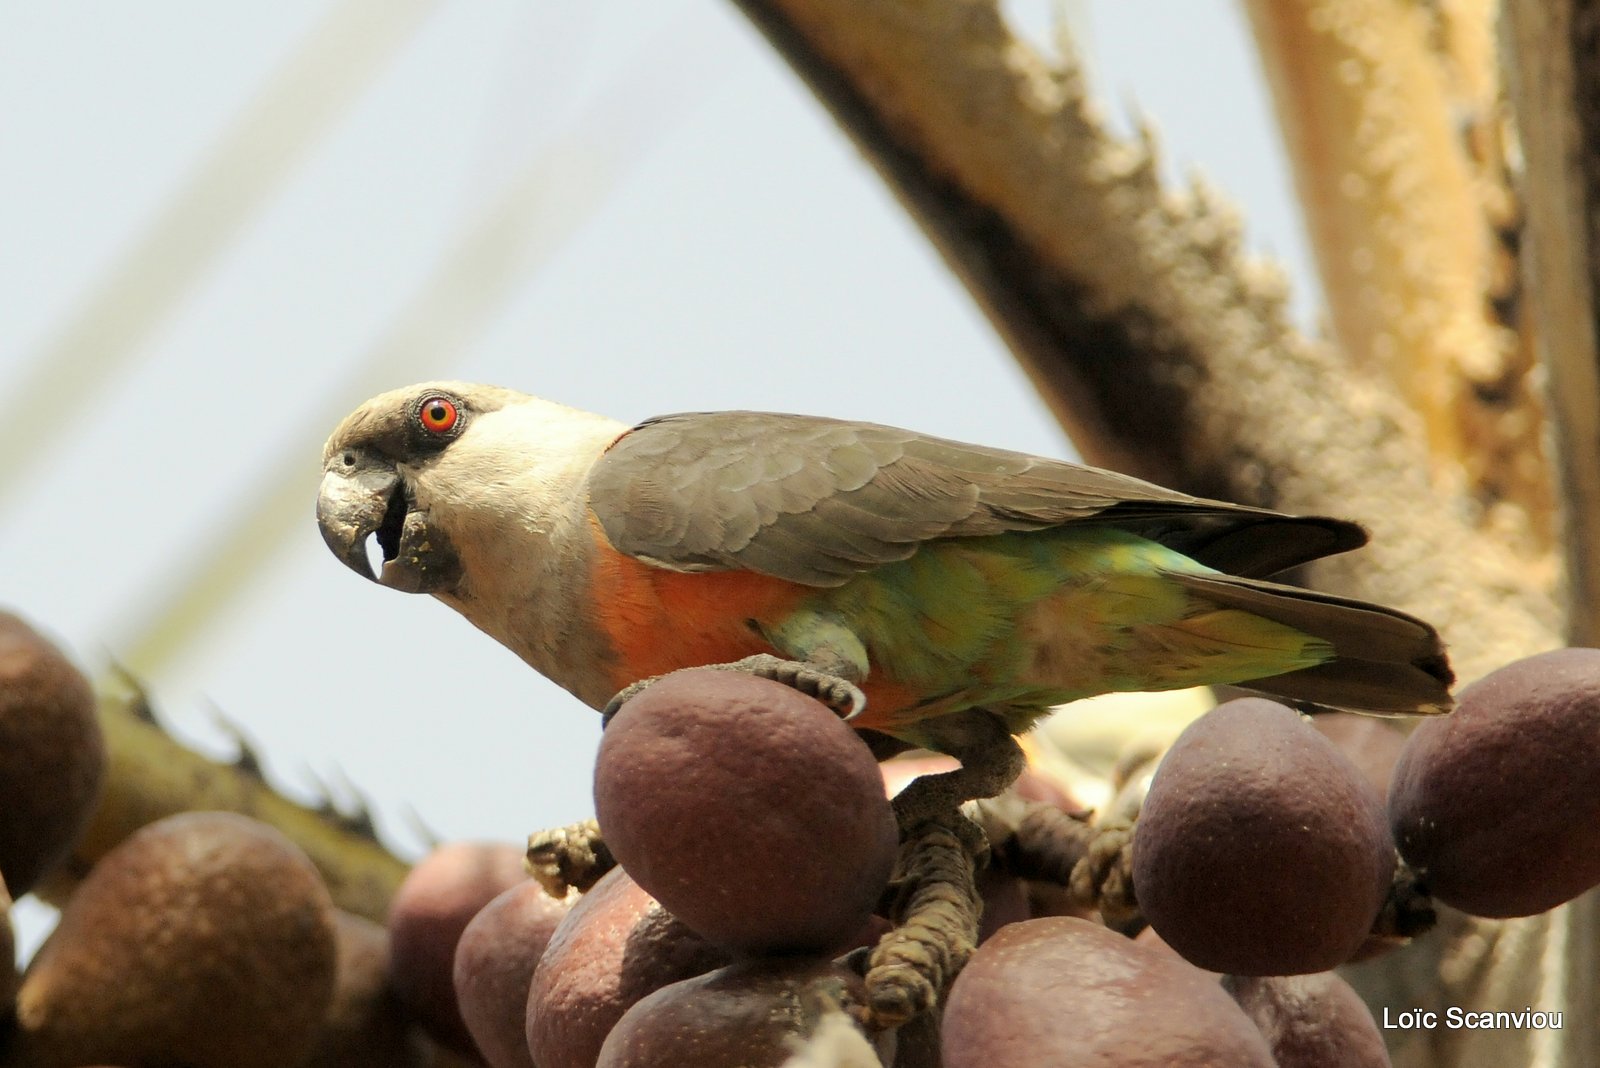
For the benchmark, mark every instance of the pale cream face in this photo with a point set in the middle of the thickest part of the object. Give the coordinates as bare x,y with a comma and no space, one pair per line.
508,496
486,510
514,471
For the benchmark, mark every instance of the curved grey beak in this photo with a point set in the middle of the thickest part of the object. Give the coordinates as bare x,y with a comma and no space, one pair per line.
363,495
355,501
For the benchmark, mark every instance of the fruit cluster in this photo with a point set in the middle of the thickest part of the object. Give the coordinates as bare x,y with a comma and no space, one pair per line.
752,851
205,939
763,896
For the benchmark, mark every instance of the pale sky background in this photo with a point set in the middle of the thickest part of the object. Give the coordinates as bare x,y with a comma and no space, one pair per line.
697,235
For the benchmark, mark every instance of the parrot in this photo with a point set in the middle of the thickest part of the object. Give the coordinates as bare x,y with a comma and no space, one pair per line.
937,594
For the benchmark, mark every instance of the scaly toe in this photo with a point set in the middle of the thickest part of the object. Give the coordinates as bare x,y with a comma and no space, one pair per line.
622,697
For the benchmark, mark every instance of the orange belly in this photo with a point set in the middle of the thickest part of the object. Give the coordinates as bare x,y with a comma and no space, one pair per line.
656,621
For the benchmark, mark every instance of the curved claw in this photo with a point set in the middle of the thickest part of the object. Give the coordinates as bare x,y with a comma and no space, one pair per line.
857,701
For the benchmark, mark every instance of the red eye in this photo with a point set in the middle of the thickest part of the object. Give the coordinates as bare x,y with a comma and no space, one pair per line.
438,414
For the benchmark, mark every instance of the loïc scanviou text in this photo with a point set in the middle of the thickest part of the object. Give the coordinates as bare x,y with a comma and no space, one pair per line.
1458,1019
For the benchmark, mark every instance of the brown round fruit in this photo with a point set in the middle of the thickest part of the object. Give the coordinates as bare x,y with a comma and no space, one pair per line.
52,756
1497,805
1065,991
194,941
432,906
1260,849
494,966
752,812
366,1027
748,1015
616,946
1311,1021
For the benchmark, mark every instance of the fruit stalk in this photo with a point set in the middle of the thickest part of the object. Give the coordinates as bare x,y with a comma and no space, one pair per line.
573,857
150,775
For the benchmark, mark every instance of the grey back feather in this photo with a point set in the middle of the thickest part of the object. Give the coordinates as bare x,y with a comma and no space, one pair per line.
815,500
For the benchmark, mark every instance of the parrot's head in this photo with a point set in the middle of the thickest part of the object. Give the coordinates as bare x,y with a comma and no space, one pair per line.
455,484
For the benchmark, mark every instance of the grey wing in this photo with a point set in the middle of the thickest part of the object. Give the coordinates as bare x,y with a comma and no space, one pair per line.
816,501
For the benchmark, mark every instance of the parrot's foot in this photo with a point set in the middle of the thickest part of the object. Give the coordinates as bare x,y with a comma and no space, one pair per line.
990,759
833,690
1093,862
569,857
912,966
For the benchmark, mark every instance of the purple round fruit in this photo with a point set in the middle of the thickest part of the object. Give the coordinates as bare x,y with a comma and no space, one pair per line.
1497,805
1067,991
1311,1021
433,905
1261,849
494,964
753,1014
617,945
750,811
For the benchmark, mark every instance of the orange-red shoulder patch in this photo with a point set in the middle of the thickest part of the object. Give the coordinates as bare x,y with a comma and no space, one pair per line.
657,620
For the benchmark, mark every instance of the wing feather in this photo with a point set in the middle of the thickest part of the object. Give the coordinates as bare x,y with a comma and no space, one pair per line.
816,501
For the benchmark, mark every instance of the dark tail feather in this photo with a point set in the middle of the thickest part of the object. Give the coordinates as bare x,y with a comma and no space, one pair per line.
1388,663
1368,686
